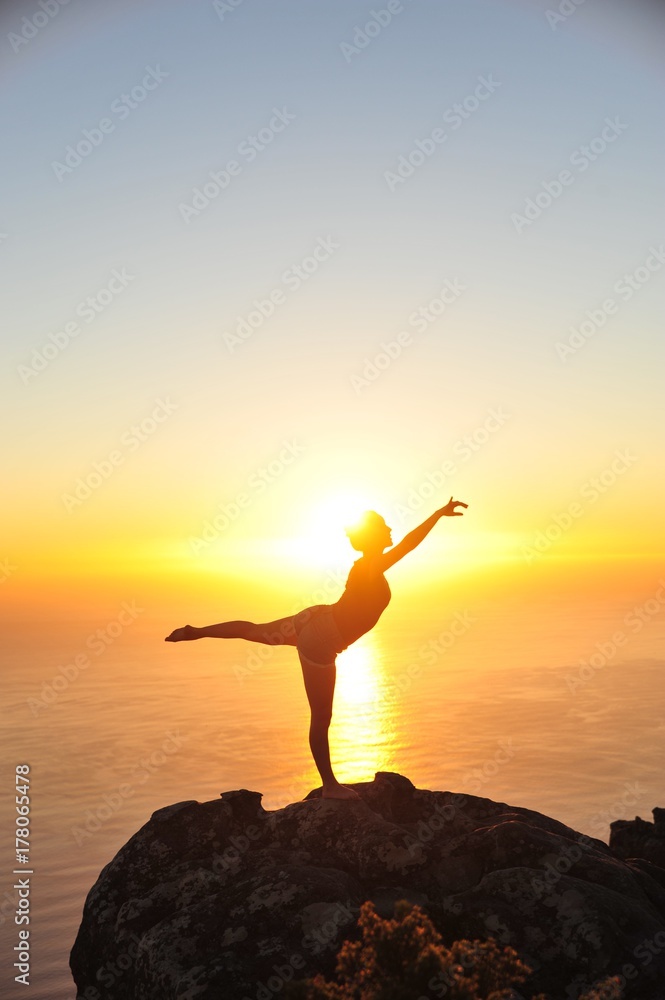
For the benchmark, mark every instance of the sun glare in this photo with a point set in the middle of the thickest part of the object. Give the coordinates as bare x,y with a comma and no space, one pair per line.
340,510
357,679
322,538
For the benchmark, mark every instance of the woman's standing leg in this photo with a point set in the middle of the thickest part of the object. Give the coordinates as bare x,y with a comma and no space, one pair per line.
320,688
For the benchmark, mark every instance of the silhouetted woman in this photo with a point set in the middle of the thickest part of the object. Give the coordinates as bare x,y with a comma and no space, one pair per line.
322,631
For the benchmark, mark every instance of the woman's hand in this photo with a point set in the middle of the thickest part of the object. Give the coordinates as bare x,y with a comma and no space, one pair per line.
449,509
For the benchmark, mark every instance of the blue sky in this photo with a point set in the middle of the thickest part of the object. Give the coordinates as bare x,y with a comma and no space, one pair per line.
323,178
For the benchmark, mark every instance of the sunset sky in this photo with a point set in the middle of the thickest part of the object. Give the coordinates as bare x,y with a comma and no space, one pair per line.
496,392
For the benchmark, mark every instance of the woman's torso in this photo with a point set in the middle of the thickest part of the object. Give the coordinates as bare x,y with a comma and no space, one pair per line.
366,596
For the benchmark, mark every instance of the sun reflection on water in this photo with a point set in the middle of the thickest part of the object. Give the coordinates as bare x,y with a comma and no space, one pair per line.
364,731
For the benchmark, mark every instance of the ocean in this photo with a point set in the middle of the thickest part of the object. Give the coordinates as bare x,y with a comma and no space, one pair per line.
543,691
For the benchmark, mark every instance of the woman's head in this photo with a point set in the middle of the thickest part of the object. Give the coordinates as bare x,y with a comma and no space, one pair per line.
370,533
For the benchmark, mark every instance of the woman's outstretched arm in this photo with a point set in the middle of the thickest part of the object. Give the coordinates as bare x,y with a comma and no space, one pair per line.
415,537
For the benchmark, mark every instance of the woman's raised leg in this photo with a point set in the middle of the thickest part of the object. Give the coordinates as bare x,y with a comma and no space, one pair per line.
276,633
320,688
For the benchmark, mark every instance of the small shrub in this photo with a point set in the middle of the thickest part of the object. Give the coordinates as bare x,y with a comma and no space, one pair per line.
405,959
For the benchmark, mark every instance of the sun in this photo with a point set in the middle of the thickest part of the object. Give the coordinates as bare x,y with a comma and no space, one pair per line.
340,510
322,539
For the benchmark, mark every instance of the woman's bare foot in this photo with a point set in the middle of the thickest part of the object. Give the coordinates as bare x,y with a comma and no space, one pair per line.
337,791
186,632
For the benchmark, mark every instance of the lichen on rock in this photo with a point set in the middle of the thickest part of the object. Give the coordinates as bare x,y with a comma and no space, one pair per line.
222,898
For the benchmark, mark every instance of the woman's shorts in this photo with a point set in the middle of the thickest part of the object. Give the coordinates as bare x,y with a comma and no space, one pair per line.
318,637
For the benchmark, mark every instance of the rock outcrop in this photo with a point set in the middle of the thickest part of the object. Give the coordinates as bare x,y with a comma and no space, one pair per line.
636,838
223,899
